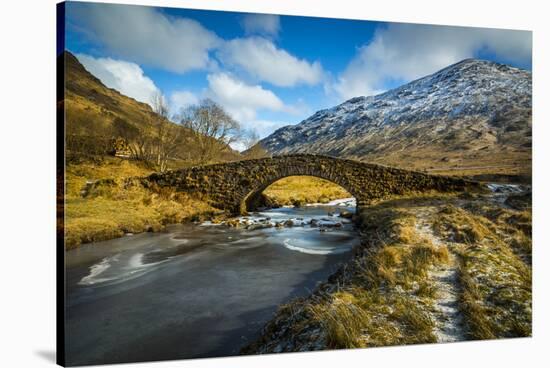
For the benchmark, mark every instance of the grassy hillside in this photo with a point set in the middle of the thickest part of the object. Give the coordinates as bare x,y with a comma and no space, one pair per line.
91,107
101,204
96,115
439,161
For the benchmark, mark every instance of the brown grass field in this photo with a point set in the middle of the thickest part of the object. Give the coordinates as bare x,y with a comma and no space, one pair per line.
419,254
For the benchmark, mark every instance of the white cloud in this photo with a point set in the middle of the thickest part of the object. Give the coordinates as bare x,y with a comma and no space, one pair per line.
241,100
147,36
266,127
182,99
127,78
264,61
404,52
262,127
264,24
238,146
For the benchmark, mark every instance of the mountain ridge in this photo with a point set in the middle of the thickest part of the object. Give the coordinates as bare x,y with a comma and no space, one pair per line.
468,112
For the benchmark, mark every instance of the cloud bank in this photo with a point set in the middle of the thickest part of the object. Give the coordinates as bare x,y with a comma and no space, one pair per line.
147,36
403,52
126,77
261,59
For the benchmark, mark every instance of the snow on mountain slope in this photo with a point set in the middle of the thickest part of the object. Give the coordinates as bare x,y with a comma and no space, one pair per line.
462,113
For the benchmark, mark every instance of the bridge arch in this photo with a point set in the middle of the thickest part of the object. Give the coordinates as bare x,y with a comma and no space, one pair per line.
230,186
252,200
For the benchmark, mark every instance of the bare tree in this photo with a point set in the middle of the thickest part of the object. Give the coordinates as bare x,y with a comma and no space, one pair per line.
249,138
141,147
253,149
212,128
159,105
168,136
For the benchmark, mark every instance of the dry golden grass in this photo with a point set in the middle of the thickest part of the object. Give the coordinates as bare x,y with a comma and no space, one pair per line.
358,318
513,226
296,190
440,161
495,280
458,226
386,295
111,207
76,175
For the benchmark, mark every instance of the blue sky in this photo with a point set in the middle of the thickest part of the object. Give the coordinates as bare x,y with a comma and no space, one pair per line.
268,71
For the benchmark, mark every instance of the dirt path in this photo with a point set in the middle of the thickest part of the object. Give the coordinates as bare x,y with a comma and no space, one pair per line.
449,319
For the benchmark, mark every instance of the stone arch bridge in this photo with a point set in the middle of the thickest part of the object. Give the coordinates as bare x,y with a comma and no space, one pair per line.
237,186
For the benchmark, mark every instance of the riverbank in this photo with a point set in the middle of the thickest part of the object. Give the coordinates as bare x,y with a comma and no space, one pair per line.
432,268
102,204
209,288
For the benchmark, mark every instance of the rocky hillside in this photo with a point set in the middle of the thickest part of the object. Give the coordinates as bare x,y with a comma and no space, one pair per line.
472,116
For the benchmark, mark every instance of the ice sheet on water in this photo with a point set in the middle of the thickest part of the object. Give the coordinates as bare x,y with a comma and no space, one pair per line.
118,268
343,202
505,188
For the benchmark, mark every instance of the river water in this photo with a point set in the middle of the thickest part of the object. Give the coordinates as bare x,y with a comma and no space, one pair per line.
197,290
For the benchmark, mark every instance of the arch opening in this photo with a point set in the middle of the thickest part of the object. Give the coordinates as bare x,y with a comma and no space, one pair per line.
298,191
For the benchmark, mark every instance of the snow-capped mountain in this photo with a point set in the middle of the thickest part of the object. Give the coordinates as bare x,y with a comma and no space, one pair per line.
464,114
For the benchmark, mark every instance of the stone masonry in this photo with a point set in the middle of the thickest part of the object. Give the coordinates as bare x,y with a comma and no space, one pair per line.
236,186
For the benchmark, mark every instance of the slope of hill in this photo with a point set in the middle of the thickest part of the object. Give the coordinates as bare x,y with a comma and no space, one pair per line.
96,115
91,107
473,116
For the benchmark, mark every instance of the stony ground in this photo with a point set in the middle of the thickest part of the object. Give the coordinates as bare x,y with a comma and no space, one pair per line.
431,268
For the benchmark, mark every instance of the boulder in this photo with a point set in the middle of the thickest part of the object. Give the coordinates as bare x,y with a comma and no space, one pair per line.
346,214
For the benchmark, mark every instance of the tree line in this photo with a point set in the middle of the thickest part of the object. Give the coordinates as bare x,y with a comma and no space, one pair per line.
198,134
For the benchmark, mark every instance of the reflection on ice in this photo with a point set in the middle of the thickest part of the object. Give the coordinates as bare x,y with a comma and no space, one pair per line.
118,268
314,229
344,202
